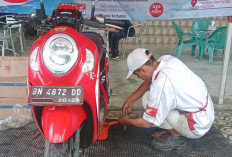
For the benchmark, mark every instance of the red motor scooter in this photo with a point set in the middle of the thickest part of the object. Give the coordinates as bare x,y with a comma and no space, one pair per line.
68,80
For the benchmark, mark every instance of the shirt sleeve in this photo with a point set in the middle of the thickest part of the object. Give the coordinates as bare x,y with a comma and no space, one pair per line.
161,100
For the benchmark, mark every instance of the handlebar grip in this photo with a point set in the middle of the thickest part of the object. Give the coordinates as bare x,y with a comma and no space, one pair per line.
94,24
115,22
22,16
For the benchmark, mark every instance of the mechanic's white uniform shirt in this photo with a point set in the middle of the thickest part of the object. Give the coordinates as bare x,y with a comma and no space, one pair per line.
175,86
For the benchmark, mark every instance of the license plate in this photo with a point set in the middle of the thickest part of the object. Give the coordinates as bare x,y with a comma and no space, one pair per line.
48,95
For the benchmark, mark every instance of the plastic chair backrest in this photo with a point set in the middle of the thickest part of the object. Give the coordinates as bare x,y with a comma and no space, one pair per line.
179,31
143,28
139,27
10,20
218,37
200,26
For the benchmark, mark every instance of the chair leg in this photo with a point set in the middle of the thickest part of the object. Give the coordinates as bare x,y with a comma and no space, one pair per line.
201,51
12,45
7,45
215,52
24,40
21,44
3,48
122,44
176,49
193,50
125,48
211,52
141,43
180,51
21,36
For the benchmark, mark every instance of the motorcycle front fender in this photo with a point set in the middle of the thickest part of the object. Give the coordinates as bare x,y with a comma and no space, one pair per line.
59,123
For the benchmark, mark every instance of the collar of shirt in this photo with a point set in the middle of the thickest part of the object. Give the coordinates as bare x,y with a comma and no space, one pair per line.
161,65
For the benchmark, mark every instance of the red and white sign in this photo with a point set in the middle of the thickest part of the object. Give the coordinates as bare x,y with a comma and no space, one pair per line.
156,9
16,1
194,2
12,2
229,18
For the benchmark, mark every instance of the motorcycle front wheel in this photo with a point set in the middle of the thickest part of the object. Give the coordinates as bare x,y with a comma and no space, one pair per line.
69,148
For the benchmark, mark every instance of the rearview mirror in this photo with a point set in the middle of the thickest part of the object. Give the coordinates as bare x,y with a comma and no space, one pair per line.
93,9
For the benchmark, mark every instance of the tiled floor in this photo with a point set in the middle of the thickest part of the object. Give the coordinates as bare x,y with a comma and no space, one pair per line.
223,122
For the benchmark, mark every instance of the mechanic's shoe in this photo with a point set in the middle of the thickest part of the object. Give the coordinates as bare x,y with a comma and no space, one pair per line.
114,56
169,143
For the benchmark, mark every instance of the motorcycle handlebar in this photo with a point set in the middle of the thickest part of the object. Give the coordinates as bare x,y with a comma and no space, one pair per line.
94,24
115,22
22,17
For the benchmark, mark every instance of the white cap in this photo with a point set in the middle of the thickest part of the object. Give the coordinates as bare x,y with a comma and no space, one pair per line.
136,59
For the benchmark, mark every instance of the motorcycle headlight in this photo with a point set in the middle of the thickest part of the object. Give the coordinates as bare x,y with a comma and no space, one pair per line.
60,53
34,65
89,62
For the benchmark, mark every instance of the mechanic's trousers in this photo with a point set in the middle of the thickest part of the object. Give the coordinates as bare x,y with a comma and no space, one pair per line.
175,120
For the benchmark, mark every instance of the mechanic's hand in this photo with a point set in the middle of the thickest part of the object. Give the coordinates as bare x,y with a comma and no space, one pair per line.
127,106
123,119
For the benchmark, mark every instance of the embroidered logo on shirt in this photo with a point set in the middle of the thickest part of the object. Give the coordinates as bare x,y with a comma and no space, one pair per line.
151,111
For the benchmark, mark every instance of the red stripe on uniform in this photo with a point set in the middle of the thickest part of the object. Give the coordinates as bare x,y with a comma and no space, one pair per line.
157,75
191,122
189,115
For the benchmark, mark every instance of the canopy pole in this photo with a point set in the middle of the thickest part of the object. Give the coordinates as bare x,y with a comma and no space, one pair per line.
226,63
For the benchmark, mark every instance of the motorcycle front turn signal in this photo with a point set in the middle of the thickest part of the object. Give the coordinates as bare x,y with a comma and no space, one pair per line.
89,62
34,64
